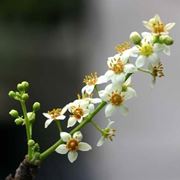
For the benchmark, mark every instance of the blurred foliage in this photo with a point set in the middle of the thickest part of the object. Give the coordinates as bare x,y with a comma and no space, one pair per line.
39,11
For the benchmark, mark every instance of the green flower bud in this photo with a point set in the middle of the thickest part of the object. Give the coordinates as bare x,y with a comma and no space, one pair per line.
31,116
165,39
135,38
20,87
14,113
25,96
25,84
31,142
19,121
12,94
36,106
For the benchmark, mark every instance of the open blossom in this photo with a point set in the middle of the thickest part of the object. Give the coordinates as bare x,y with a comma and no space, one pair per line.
73,144
78,109
156,25
118,68
91,81
108,133
115,97
55,114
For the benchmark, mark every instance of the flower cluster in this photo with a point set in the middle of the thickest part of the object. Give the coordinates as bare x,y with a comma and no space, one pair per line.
142,53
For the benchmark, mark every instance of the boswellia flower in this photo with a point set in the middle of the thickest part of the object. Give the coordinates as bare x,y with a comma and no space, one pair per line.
107,133
118,68
78,109
157,26
91,81
115,98
73,144
55,114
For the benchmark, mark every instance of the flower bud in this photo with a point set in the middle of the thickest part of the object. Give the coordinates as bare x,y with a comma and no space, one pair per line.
31,116
36,106
14,113
12,94
135,38
19,121
165,39
25,96
20,87
25,85
31,142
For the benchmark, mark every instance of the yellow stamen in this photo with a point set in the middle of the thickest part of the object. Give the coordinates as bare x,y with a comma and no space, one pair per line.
91,79
117,66
146,49
55,113
122,47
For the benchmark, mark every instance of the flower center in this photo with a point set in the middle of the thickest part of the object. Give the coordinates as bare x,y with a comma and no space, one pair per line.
116,99
91,79
158,70
117,66
120,48
158,27
146,49
78,113
55,113
72,145
109,133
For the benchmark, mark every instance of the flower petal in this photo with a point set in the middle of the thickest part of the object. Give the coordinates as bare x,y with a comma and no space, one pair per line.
47,115
71,121
61,117
124,110
140,61
65,136
72,156
89,89
48,122
61,149
84,146
109,110
101,141
78,136
130,93
130,68
101,79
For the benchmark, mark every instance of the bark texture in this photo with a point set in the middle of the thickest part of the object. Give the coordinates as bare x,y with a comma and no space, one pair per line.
25,171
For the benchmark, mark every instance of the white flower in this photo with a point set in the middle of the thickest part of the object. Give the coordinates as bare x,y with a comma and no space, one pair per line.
78,109
115,97
73,144
157,26
55,114
91,81
118,68
108,133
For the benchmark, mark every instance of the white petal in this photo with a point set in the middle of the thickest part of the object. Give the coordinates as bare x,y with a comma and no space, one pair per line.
96,100
61,149
65,136
83,90
47,115
71,121
72,156
84,146
78,136
154,59
140,61
102,95
48,122
89,89
124,110
101,141
118,78
110,124
167,51
91,107
169,26
109,74
109,109
130,93
61,117
64,109
130,68
101,80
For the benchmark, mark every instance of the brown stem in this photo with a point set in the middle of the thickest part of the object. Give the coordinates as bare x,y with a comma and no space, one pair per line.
25,171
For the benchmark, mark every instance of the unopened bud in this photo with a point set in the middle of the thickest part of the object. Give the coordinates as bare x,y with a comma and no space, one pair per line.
25,84
31,116
12,94
31,142
36,106
25,96
14,113
165,39
20,87
135,37
19,121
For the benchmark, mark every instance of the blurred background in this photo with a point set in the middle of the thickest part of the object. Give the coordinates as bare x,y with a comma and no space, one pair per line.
53,44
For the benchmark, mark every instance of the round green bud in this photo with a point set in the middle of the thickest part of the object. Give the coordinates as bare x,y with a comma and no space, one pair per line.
25,84
31,142
36,106
169,41
31,116
25,96
20,87
12,94
19,121
135,38
14,113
